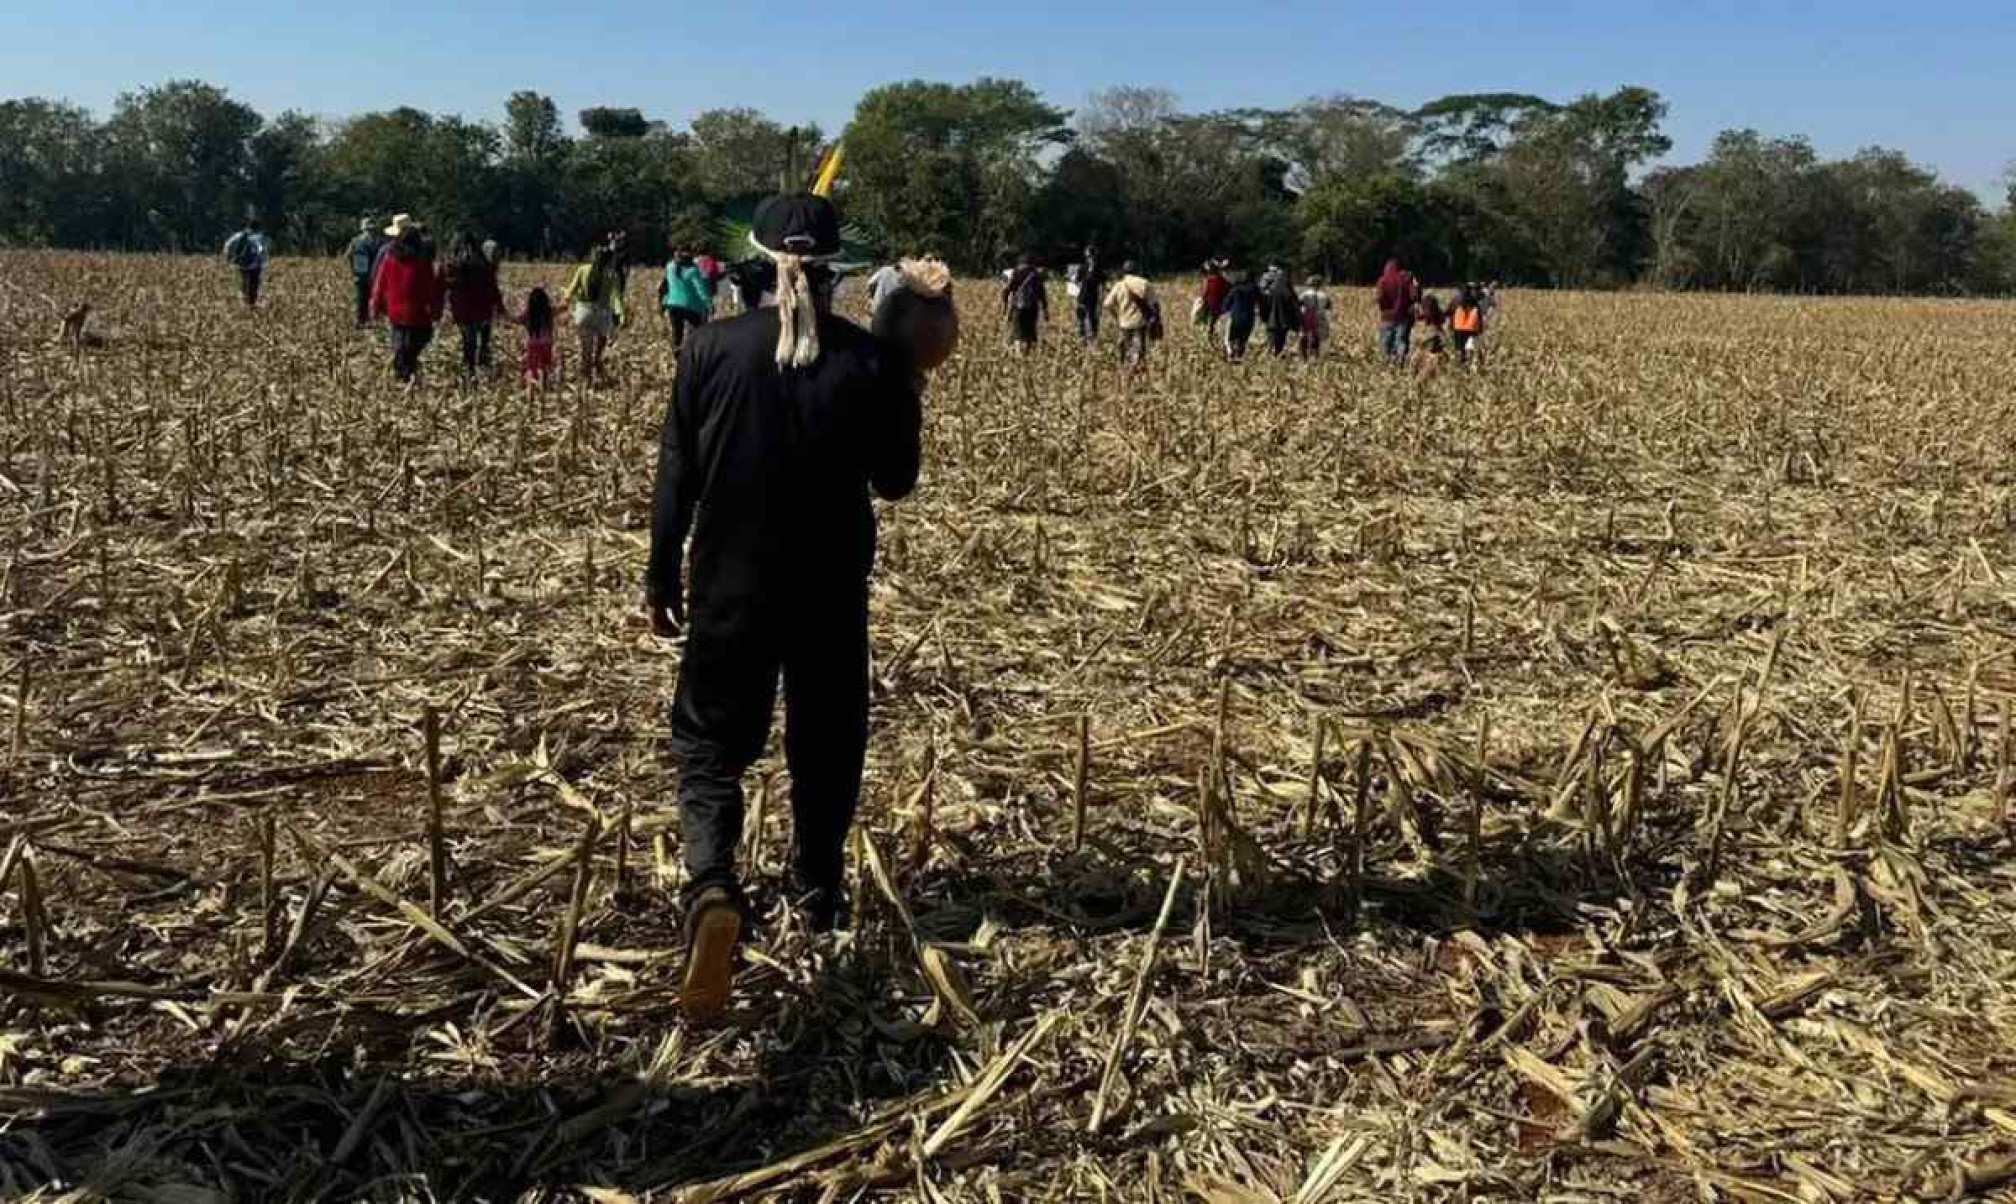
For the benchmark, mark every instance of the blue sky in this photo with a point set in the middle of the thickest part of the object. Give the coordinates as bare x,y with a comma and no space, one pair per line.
1934,81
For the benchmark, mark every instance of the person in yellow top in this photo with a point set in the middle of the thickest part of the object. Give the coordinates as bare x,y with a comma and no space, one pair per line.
1136,312
596,292
1466,325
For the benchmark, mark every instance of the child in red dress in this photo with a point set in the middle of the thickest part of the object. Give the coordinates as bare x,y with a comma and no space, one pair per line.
539,363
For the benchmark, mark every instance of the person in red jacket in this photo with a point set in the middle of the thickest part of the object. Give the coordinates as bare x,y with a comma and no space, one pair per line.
1396,295
407,293
1213,299
469,280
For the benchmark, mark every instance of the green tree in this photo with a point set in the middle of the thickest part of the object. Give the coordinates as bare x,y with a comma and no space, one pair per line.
740,153
604,122
52,159
536,151
925,159
181,157
284,180
1351,225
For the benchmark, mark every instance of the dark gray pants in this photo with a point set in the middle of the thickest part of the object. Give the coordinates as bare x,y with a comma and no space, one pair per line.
475,345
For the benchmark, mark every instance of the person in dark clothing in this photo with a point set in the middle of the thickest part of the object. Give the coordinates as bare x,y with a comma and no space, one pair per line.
1241,311
782,422
363,253
1282,309
1092,280
1025,299
469,282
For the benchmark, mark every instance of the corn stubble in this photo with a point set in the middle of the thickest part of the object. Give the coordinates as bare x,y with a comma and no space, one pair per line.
1289,782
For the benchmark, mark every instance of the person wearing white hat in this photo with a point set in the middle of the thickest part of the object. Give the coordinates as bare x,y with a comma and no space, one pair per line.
783,422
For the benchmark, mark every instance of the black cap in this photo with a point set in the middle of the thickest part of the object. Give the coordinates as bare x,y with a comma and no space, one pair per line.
800,224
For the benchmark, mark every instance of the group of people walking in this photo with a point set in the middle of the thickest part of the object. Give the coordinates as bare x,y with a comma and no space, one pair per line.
1258,301
1232,308
398,275
1094,291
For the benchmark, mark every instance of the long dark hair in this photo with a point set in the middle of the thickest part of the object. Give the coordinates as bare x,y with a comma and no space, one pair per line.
538,312
600,264
466,261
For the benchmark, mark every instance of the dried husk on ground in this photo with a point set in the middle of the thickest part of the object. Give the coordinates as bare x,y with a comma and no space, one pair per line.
1498,724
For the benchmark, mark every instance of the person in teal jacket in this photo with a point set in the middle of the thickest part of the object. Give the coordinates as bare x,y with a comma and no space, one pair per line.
689,296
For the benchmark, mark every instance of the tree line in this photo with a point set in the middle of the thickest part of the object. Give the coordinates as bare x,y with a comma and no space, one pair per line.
1501,185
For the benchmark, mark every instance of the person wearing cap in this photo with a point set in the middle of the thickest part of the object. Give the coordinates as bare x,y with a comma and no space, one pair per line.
363,254
783,422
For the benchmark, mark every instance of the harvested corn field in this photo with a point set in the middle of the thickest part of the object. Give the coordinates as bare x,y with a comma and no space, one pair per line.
1584,778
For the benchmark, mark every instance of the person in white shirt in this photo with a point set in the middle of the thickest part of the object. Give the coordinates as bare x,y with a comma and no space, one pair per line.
247,251
1315,317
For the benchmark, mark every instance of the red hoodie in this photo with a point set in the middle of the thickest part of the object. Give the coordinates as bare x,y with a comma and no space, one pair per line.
1396,294
406,289
1215,288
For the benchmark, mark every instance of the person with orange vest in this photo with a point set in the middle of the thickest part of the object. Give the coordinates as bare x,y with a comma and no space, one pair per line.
1466,323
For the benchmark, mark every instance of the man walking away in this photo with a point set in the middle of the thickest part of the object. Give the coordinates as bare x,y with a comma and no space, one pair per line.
1091,294
363,253
246,251
782,422
1025,299
1241,310
1283,309
1136,310
1395,296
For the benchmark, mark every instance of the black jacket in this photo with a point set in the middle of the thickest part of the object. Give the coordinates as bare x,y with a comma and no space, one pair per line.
1280,308
770,468
1242,303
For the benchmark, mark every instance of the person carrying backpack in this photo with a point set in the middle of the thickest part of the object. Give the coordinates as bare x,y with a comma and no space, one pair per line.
246,251
1025,299
363,255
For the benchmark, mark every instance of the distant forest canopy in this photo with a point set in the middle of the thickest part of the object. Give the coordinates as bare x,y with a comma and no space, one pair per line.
1508,186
